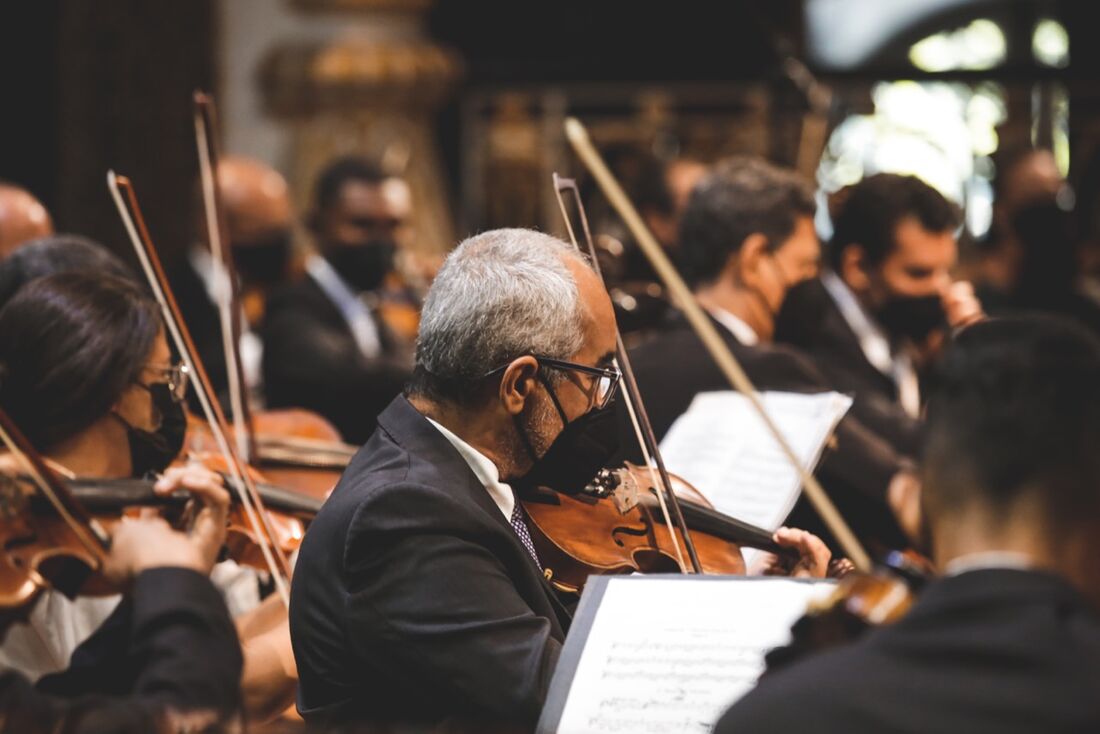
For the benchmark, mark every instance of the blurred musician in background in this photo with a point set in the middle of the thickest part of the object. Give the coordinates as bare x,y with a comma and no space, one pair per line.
880,310
328,344
746,239
259,223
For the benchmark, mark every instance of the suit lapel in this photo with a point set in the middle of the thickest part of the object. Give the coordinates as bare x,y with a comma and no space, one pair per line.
413,431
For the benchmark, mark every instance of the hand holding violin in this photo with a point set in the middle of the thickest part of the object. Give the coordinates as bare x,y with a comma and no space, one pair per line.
149,542
813,555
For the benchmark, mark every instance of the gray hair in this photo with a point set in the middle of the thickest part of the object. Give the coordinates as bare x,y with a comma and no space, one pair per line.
500,295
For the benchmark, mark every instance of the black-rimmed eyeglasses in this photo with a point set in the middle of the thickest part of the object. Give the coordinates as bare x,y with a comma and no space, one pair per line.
607,378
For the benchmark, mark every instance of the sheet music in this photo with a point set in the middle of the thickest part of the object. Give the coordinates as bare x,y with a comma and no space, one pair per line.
671,654
721,446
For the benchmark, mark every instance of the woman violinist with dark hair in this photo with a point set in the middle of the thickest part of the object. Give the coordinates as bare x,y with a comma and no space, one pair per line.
86,373
168,653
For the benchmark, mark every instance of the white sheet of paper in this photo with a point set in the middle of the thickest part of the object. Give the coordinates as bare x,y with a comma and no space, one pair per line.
671,654
722,447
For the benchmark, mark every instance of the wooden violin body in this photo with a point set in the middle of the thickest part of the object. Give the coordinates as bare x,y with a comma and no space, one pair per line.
296,449
625,532
40,550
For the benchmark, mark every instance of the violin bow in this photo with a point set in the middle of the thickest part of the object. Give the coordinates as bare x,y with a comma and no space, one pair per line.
90,533
242,483
225,275
639,418
682,296
756,537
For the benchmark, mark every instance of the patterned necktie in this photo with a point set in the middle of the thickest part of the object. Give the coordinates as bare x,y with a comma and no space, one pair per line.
524,535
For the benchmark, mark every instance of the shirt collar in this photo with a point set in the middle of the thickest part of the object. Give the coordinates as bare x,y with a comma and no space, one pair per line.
986,560
334,286
872,339
741,331
484,469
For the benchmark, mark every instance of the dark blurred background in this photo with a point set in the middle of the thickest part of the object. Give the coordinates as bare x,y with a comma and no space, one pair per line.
466,97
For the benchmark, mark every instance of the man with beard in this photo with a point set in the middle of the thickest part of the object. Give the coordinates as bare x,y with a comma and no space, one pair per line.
418,595
326,348
882,308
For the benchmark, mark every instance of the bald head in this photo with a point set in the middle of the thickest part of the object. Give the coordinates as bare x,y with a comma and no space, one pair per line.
258,219
22,218
255,197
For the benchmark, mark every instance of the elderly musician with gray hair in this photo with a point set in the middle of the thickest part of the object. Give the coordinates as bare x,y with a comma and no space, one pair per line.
418,596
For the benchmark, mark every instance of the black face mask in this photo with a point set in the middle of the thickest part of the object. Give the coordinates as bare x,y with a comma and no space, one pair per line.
912,317
153,451
262,261
583,447
790,322
364,267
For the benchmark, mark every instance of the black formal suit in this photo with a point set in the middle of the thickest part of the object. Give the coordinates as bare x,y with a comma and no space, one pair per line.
170,644
997,651
674,366
413,598
812,323
311,360
203,321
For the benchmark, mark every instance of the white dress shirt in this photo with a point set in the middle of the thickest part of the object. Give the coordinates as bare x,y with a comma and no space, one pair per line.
251,347
363,327
485,470
988,559
741,331
875,344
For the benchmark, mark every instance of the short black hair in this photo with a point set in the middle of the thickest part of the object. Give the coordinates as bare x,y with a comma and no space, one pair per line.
70,344
874,207
1014,410
56,253
740,197
333,177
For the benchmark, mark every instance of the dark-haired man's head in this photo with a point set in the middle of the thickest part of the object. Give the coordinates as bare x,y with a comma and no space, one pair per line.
661,193
747,237
894,245
1010,461
22,218
57,253
358,219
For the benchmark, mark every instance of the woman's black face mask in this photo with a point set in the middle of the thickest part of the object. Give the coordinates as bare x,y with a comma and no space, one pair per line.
583,447
152,451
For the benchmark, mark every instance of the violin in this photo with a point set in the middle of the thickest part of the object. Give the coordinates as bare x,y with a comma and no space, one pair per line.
616,526
108,501
295,448
860,602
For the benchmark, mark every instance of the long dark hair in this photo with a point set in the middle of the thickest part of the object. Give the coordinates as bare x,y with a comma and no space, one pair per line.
70,344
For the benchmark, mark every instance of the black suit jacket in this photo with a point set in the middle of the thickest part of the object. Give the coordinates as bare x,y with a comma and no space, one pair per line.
996,651
413,599
170,644
311,361
812,323
674,366
203,321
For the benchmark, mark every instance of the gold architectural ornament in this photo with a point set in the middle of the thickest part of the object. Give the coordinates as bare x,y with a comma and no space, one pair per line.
370,89
350,73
